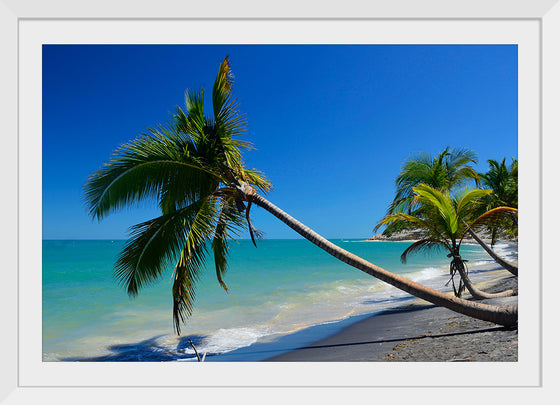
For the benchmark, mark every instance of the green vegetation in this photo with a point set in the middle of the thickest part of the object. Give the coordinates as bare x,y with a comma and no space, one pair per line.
502,180
428,195
450,169
445,221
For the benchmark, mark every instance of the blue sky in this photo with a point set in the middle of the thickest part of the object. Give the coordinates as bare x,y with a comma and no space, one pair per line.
332,125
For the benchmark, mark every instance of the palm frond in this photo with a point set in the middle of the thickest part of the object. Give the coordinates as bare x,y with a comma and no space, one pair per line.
222,87
462,175
503,181
422,245
467,200
200,230
230,120
229,225
186,274
458,169
257,179
404,220
446,171
194,102
460,157
138,171
220,247
412,222
151,246
493,215
442,202
195,122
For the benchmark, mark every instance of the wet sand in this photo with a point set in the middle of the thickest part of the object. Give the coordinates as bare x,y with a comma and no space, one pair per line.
420,332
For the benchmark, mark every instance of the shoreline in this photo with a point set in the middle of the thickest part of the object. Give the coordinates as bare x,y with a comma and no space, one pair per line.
400,332
280,345
413,330
418,332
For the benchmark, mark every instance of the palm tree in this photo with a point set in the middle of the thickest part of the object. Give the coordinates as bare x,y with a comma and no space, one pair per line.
450,169
194,170
445,221
503,183
191,168
447,171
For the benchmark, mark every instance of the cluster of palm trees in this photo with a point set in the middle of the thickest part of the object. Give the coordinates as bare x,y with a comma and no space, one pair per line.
193,169
431,197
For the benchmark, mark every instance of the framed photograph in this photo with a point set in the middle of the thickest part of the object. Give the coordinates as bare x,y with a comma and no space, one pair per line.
274,116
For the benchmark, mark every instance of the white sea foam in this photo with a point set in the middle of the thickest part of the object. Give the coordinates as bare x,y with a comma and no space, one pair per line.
506,251
427,274
327,305
225,340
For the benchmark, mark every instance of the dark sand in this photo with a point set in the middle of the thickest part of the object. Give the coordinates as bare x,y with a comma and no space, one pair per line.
419,332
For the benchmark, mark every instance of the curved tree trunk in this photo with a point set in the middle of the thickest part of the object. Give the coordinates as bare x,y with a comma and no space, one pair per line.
502,315
475,292
506,265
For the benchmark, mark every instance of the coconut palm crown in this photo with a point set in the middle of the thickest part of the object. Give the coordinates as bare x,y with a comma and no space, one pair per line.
449,169
191,168
503,182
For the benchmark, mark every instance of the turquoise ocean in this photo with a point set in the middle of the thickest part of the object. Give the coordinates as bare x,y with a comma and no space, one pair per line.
282,294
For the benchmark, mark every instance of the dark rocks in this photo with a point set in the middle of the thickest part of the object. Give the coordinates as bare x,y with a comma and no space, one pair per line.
408,235
399,236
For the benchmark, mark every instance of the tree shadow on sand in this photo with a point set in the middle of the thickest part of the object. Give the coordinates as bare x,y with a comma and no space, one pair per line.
149,350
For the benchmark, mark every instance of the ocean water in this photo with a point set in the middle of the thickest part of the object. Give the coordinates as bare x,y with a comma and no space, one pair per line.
275,290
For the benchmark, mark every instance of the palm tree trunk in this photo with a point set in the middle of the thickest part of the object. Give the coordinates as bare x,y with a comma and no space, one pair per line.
475,292
502,315
508,266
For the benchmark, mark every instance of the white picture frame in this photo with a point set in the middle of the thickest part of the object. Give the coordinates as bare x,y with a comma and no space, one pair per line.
15,389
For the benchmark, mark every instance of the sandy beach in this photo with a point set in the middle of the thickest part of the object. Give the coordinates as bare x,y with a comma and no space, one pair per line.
420,332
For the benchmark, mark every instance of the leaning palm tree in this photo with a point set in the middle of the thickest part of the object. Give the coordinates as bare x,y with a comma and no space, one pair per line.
445,220
194,170
190,167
